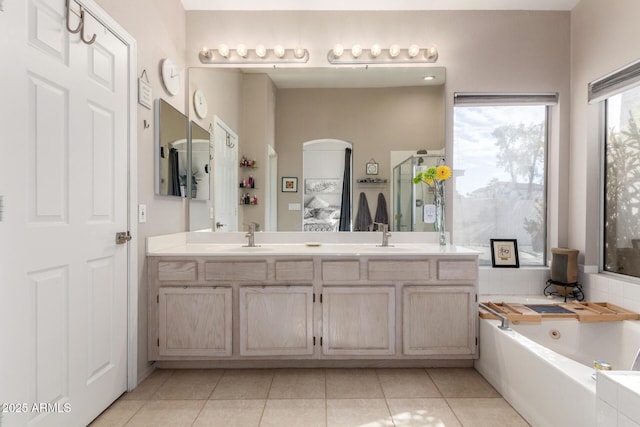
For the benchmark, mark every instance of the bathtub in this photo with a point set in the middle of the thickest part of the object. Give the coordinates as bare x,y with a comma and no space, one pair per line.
544,370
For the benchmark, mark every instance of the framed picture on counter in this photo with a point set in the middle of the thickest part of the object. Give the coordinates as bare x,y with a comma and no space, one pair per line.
504,253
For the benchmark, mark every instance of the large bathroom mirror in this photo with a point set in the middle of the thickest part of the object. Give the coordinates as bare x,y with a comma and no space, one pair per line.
376,109
171,150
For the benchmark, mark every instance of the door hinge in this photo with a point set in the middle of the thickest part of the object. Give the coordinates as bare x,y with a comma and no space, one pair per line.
158,299
314,300
122,237
158,344
476,297
320,302
476,341
320,341
314,341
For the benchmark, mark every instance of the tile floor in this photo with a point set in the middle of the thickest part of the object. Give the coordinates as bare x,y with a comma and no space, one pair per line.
443,397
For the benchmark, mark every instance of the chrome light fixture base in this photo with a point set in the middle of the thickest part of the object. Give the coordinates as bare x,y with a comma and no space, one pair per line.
385,56
255,56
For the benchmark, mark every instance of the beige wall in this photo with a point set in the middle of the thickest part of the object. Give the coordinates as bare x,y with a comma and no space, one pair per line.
257,132
603,39
159,29
375,121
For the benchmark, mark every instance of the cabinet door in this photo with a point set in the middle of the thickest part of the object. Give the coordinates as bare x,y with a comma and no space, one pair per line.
439,320
276,320
195,321
358,320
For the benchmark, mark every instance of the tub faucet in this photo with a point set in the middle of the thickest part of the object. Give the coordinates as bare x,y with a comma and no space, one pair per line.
251,235
635,366
504,320
385,233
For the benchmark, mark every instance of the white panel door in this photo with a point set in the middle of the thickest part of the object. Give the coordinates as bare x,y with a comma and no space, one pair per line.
225,170
67,133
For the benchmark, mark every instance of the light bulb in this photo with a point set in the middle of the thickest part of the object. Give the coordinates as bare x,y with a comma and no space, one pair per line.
279,50
338,50
428,78
432,52
299,52
394,50
356,50
223,50
241,50
205,51
375,50
413,50
261,51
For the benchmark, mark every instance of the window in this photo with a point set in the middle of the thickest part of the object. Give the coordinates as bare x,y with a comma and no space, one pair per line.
622,184
499,162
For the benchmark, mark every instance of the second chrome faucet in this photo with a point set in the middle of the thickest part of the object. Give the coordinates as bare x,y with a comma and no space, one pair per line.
385,233
251,235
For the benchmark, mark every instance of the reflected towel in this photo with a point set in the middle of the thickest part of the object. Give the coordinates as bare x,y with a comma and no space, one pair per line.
174,175
363,218
382,217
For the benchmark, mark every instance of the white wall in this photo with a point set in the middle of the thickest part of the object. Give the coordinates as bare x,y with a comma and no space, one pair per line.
603,39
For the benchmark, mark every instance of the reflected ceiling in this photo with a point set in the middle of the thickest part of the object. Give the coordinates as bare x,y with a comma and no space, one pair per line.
352,77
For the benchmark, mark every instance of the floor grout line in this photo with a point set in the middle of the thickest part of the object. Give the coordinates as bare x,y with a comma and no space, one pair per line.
307,393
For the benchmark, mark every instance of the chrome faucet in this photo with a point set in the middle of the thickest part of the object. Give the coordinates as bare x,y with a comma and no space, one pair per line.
251,235
385,233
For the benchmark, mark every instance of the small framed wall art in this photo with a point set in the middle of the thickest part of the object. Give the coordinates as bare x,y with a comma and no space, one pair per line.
289,184
504,253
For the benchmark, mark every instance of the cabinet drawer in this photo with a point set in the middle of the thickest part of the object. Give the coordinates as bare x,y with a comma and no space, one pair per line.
342,271
294,270
457,270
177,270
236,271
398,270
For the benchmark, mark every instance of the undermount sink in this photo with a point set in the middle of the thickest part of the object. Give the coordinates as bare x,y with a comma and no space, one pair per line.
253,248
393,248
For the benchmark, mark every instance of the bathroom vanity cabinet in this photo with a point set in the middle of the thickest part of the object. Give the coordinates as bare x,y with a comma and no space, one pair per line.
306,305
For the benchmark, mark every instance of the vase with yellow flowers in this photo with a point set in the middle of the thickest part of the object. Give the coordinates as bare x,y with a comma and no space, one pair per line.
434,178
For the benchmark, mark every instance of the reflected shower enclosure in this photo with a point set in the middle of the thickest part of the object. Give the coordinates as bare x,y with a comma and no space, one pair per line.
409,198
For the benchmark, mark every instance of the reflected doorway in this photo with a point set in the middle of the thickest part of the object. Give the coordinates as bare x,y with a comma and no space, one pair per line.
225,171
271,195
323,170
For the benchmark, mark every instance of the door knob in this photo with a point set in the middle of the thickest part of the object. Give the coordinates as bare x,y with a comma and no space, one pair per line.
219,225
122,237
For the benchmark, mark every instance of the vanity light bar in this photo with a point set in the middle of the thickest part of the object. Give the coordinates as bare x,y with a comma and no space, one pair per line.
259,55
376,55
